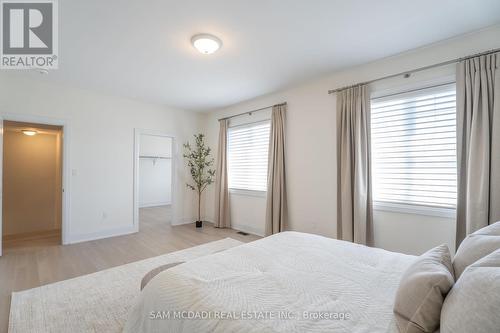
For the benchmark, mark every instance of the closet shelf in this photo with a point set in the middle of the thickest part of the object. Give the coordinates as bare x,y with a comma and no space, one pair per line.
156,157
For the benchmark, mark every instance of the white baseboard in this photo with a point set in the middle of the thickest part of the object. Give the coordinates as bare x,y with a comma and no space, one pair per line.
154,204
188,220
248,229
182,221
185,220
242,227
78,238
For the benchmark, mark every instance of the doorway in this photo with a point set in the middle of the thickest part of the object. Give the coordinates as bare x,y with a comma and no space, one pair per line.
154,181
32,184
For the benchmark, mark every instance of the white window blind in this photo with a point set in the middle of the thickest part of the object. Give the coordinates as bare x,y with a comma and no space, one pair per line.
414,159
247,151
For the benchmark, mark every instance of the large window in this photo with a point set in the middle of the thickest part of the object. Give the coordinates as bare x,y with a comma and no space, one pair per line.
247,151
413,135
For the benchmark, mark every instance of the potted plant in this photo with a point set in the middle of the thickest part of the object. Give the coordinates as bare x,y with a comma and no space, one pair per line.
200,165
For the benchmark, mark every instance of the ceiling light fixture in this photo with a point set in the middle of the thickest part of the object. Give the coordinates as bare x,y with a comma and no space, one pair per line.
29,132
205,43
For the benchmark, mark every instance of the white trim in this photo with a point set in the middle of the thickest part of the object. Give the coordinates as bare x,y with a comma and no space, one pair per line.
415,209
137,137
408,87
417,80
259,190
186,220
247,229
154,204
102,234
192,220
1,185
66,202
248,119
441,77
237,227
251,123
416,91
248,193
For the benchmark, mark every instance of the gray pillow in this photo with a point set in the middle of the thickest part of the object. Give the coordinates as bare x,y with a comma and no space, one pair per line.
476,246
473,303
422,290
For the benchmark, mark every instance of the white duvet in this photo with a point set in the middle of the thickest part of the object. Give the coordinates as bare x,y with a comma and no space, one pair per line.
289,282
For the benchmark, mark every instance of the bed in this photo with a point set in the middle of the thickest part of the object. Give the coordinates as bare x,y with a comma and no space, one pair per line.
288,282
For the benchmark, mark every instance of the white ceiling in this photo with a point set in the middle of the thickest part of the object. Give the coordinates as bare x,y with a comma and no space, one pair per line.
141,49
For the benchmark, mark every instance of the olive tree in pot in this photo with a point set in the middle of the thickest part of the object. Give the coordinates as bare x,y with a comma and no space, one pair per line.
200,165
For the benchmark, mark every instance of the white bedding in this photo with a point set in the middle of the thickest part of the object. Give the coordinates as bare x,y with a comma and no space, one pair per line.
284,276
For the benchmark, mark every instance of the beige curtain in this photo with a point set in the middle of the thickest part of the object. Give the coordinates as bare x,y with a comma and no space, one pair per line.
478,143
276,189
222,216
354,209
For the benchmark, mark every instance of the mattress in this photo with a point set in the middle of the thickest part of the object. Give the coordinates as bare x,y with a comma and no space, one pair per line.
288,282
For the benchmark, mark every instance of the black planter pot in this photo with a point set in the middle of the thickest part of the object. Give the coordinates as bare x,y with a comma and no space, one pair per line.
199,224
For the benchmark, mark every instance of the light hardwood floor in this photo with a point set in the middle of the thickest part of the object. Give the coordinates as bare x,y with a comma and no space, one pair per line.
34,263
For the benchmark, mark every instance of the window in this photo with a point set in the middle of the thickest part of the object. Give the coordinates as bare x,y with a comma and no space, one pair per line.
413,138
247,150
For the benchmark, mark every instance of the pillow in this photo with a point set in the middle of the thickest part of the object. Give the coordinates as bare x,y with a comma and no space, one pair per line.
151,274
474,301
422,291
476,246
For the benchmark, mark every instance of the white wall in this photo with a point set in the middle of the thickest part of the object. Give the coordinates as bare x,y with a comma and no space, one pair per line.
311,150
101,145
155,174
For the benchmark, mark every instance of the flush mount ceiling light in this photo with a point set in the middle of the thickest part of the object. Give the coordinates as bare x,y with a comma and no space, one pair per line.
205,43
29,132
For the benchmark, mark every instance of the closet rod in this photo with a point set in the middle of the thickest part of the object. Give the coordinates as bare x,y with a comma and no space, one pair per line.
156,157
408,73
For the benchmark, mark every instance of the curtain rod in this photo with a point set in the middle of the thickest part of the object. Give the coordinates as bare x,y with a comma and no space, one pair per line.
250,112
407,74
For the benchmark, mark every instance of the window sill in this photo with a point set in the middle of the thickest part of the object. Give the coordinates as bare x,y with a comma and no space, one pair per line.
248,193
415,209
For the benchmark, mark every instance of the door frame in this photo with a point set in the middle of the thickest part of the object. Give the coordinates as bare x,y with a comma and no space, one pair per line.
65,167
137,140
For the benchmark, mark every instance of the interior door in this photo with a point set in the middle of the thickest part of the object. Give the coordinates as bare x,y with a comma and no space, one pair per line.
1,185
